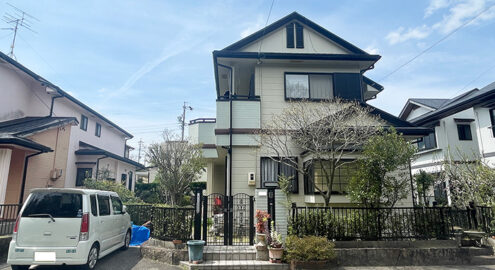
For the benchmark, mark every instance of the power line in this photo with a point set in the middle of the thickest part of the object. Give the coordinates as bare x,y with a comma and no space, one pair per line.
266,23
436,43
475,79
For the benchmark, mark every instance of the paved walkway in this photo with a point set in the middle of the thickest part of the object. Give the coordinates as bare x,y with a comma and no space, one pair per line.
122,260
446,267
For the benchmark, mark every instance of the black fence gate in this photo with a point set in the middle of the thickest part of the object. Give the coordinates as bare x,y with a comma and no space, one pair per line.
228,220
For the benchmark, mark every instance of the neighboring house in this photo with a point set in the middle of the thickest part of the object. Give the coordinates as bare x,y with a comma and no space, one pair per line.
256,70
50,139
464,128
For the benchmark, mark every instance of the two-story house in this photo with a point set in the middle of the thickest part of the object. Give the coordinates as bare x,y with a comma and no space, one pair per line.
48,138
253,83
463,129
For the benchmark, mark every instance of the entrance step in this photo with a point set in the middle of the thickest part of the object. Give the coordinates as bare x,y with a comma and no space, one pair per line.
229,253
236,265
483,260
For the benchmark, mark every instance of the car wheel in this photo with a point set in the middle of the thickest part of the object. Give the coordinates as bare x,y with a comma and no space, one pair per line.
127,240
20,267
92,258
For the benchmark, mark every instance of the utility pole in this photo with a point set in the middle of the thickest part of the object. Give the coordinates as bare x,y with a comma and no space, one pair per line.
140,146
182,119
18,19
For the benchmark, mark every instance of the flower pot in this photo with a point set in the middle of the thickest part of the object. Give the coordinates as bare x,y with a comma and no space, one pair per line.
308,265
195,248
261,237
276,254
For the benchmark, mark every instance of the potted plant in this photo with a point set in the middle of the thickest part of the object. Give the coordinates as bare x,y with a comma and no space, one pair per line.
261,225
309,252
261,232
275,249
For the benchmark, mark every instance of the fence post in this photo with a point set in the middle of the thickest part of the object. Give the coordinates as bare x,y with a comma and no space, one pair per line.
251,220
293,217
197,213
205,219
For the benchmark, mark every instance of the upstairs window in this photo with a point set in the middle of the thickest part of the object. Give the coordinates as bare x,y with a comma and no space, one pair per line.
427,142
295,36
308,86
464,132
98,130
271,170
84,122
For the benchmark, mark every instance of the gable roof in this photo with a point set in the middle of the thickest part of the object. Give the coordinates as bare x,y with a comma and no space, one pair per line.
29,125
427,103
480,97
43,81
291,17
15,131
90,150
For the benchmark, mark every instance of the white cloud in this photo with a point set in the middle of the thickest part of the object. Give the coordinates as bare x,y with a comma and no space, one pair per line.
463,12
401,35
458,14
253,27
371,49
436,5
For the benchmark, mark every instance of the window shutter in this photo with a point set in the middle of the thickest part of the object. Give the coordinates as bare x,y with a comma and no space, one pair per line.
348,86
299,36
309,188
290,35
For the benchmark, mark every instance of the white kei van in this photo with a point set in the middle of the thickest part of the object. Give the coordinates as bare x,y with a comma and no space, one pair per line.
62,226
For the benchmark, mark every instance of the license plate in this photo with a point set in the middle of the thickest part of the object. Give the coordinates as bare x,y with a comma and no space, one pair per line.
44,256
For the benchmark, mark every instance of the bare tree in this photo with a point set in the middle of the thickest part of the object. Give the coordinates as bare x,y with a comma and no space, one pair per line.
468,179
179,163
322,133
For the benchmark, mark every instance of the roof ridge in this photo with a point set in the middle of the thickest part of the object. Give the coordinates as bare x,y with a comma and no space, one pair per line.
294,16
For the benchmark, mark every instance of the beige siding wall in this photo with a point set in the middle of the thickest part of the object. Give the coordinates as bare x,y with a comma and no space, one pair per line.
244,161
15,176
39,167
313,43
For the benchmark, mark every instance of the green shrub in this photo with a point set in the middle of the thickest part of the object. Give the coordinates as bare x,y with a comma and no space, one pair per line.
196,185
125,195
148,192
309,248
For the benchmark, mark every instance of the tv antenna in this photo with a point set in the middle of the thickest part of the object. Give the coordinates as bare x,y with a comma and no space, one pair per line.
17,19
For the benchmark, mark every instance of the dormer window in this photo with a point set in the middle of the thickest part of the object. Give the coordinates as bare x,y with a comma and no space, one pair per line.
295,37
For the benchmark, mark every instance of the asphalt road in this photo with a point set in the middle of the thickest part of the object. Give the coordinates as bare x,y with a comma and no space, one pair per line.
122,260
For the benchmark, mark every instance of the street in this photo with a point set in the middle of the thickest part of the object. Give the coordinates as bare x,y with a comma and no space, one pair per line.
122,260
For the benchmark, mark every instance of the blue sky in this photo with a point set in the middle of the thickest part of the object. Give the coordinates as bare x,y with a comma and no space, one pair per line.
136,62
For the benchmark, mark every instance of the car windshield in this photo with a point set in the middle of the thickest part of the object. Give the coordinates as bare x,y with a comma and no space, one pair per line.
54,204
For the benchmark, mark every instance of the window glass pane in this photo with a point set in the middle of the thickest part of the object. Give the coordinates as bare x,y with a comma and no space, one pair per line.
464,132
104,205
321,86
296,86
341,179
269,170
94,209
116,205
56,204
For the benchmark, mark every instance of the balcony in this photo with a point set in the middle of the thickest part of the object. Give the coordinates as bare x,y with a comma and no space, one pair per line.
245,120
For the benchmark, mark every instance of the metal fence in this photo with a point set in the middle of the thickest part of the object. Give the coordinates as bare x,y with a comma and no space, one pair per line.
8,215
167,223
401,223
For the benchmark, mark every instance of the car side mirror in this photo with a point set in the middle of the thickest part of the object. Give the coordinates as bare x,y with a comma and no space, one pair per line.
124,209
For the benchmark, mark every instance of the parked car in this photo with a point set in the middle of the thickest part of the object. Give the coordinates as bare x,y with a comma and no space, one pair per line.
61,226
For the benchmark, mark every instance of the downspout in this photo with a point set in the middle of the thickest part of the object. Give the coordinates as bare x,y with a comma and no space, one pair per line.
53,103
98,165
23,183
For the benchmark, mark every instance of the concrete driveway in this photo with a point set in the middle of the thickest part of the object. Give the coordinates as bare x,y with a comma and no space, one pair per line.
122,260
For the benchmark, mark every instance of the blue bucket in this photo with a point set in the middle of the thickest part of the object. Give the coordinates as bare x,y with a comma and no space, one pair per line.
195,248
